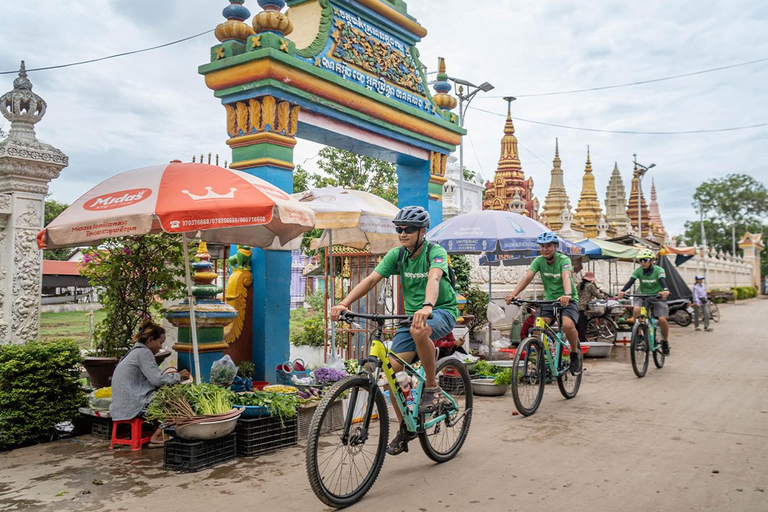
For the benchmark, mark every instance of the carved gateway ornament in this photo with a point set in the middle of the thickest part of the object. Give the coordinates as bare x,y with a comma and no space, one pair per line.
262,115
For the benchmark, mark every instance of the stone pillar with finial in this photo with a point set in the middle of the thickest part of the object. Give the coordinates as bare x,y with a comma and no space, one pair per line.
211,316
27,165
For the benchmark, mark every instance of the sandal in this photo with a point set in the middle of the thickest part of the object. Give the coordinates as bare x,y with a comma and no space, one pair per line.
430,400
400,443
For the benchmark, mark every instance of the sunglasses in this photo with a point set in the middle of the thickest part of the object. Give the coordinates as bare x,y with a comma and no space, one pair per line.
409,230
645,260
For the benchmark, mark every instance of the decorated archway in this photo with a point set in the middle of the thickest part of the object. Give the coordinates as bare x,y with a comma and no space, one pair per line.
342,73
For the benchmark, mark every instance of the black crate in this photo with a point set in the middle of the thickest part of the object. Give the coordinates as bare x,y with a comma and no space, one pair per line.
265,434
102,428
191,456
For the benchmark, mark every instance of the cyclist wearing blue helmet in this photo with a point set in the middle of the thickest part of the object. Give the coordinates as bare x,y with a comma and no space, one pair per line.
427,291
557,276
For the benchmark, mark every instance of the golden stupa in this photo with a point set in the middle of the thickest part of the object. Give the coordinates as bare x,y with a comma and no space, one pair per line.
588,211
632,211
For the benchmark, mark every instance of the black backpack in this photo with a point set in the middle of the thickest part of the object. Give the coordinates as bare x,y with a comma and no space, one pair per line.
451,274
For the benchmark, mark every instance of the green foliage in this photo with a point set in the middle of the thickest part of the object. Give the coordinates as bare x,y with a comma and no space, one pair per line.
278,404
134,275
744,292
346,169
174,402
477,305
52,210
502,376
316,301
301,179
461,267
246,369
38,388
469,175
311,332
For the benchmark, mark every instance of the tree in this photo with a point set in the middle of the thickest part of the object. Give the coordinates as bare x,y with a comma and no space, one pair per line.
461,267
302,180
738,200
345,169
469,175
52,210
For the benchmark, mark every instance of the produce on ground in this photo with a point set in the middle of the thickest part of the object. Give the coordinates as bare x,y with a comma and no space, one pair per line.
173,405
279,388
502,376
278,404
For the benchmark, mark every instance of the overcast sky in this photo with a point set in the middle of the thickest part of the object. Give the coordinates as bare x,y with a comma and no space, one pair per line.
152,107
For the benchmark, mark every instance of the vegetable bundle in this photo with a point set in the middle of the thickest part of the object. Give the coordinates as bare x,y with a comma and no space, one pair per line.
502,376
174,405
278,404
325,375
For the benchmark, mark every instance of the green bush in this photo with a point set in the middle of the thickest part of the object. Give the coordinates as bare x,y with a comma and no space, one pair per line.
310,333
477,305
744,292
38,388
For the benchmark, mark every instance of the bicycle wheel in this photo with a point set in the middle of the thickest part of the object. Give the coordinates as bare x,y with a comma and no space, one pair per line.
528,376
639,349
714,312
593,329
566,381
443,440
341,470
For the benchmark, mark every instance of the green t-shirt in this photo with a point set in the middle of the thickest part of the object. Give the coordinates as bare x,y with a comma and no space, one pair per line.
552,276
414,273
649,283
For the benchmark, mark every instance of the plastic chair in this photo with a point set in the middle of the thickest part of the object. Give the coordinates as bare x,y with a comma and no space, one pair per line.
135,439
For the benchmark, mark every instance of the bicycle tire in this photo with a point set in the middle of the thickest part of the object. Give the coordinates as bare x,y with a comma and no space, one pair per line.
639,349
659,358
601,329
318,430
714,312
454,379
530,377
565,377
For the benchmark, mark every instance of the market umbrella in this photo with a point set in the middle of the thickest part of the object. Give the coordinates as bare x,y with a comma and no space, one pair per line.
504,237
603,249
353,218
221,205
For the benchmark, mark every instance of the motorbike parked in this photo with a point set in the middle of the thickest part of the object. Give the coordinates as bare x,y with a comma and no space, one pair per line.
680,311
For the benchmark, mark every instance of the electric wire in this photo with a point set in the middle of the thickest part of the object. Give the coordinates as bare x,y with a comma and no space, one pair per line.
123,54
627,132
637,82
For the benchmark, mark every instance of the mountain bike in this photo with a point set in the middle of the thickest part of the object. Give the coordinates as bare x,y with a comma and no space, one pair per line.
714,311
347,443
539,361
644,338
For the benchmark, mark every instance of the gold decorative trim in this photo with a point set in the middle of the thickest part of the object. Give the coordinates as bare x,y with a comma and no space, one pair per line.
437,163
439,180
201,347
262,115
395,16
435,197
262,162
260,138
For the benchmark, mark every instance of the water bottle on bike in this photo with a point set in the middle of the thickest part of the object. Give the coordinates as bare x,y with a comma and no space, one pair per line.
405,385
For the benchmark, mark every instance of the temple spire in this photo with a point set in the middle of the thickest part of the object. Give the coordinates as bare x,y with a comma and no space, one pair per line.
557,197
588,211
659,231
616,204
632,206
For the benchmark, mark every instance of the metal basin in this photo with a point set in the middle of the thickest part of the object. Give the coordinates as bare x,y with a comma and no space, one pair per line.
598,348
207,430
486,387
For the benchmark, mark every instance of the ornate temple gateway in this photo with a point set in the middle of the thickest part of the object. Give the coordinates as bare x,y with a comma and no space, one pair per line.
342,73
510,190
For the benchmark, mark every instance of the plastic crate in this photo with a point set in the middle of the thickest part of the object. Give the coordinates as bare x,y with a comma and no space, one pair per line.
102,428
452,383
191,456
266,434
305,415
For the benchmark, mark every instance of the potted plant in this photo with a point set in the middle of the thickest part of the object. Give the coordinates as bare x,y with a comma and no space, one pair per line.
476,308
134,275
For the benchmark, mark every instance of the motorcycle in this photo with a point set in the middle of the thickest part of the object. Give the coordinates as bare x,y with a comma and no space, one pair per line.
680,311
602,316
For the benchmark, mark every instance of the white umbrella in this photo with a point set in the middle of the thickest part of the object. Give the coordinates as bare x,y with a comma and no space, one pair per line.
353,218
221,205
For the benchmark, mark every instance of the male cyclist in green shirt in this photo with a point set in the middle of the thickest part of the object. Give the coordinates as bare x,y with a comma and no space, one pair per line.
653,281
427,292
557,276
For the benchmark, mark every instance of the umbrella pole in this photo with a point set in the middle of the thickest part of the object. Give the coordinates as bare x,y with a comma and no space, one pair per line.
192,320
490,326
333,291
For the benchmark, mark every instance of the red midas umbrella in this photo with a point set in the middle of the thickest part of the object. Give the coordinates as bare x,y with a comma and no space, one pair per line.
222,205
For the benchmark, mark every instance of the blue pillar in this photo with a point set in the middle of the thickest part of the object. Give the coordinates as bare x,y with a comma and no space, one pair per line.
416,187
271,293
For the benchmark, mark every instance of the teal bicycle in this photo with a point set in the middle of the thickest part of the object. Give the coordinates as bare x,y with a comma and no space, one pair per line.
539,361
347,439
644,338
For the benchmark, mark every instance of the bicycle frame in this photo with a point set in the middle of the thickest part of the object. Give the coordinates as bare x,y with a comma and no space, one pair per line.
652,326
552,360
380,355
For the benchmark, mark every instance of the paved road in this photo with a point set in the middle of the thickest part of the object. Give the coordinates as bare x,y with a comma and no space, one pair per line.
692,436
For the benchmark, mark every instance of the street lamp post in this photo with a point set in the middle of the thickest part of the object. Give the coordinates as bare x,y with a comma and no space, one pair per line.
464,100
642,169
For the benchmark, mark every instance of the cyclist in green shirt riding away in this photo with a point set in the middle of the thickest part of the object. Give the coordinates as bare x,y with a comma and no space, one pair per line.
427,291
653,281
557,276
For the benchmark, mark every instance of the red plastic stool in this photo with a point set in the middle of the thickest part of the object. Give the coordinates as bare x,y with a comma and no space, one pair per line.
135,439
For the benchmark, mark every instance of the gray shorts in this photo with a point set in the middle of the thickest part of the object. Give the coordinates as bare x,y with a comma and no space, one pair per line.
660,306
442,322
571,311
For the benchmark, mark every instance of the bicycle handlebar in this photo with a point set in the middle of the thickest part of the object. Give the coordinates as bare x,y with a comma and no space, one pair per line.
347,316
518,302
643,295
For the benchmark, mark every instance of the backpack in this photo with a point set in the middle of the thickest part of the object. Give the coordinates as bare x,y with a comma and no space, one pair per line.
451,274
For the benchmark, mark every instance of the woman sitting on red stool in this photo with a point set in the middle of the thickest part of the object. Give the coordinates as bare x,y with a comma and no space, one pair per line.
138,376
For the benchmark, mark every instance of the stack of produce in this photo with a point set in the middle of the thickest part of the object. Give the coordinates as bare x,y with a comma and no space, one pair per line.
277,404
501,376
324,375
186,405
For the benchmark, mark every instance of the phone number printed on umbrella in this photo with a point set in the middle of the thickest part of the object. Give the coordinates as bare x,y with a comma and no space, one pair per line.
223,220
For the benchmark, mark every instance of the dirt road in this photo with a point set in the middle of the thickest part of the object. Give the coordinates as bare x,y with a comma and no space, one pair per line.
692,436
